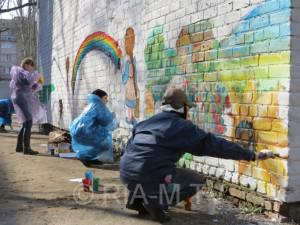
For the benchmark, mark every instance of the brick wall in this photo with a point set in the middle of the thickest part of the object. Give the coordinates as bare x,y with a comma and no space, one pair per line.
236,60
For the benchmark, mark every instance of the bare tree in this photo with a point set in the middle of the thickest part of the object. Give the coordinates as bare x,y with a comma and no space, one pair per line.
19,6
2,2
26,28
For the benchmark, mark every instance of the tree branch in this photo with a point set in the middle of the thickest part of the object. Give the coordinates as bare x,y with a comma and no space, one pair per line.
18,7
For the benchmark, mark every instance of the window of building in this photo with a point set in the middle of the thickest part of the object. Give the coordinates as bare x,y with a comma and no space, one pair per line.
8,46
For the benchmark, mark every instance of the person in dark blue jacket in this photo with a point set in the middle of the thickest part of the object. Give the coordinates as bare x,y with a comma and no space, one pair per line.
6,111
148,165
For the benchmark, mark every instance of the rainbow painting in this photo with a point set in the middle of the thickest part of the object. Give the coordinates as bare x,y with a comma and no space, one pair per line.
96,41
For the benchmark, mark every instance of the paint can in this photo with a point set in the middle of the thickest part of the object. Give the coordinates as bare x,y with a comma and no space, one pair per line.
89,175
86,184
96,181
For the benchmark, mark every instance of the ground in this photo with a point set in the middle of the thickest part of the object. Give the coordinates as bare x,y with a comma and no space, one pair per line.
36,190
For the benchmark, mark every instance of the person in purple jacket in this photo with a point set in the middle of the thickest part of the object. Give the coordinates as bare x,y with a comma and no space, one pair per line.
148,164
25,83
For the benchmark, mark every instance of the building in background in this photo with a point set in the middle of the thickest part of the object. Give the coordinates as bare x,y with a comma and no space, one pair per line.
13,49
8,47
8,53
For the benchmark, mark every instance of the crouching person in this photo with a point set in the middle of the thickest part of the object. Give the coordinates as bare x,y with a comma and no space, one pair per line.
91,131
148,165
6,111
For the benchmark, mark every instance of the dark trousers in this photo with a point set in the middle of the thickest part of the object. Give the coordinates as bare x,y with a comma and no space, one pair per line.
24,135
185,183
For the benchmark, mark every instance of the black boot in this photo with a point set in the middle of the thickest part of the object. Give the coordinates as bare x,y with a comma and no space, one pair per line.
19,147
29,151
27,134
156,211
137,205
2,129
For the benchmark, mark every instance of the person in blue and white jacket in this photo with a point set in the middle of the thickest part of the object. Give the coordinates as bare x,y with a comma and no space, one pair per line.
91,131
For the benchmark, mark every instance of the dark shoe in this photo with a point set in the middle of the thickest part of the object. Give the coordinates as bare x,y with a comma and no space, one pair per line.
29,151
2,130
156,211
19,149
137,205
90,163
86,163
96,162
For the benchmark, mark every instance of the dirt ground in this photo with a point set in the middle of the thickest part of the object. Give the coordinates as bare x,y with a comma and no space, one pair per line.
36,190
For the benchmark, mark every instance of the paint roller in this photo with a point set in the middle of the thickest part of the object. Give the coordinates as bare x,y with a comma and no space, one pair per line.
275,154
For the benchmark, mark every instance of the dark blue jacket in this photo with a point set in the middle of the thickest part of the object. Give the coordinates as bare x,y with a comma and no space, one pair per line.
158,142
6,111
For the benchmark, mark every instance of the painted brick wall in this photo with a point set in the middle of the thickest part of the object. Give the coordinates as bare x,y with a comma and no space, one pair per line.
233,58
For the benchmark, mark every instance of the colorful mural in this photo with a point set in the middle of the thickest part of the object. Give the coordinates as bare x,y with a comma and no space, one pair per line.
67,68
235,82
96,41
129,78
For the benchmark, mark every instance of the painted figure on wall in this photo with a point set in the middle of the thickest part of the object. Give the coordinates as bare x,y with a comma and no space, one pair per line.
129,78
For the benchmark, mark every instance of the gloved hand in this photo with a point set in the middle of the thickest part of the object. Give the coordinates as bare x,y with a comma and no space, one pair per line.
265,154
34,86
41,79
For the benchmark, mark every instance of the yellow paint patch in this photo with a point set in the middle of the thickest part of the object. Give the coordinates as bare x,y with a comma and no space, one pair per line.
262,124
235,109
245,97
273,111
244,110
267,137
265,98
263,111
253,110
249,61
208,77
275,58
278,125
250,86
283,139
261,174
277,179
275,99
278,166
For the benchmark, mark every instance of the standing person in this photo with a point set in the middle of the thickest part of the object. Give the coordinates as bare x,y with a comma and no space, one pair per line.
148,165
6,111
129,78
91,131
25,83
